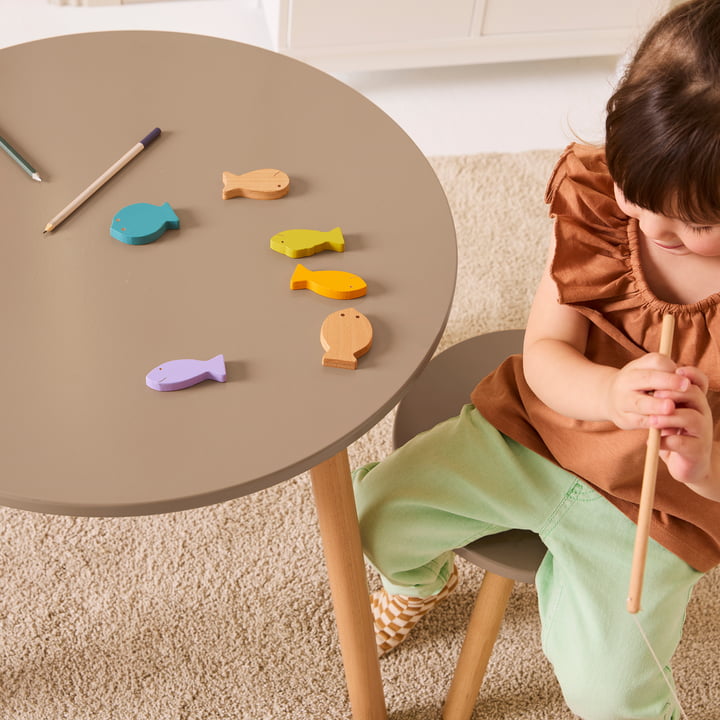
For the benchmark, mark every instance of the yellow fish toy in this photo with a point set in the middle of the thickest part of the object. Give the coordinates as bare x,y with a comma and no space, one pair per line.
301,243
345,335
266,184
336,284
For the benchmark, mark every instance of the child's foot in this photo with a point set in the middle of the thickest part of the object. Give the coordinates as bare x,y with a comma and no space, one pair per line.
396,615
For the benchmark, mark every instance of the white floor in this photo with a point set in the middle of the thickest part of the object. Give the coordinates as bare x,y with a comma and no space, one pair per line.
446,111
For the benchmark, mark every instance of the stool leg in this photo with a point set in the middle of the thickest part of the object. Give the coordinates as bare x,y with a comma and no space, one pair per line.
479,640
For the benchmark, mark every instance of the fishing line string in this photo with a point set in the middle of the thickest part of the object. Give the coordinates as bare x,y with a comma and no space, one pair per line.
660,668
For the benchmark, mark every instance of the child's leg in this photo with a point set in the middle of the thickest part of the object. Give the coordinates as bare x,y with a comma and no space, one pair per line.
442,490
463,480
598,653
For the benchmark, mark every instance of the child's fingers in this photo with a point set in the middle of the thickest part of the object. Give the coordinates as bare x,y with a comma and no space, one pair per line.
695,376
694,398
683,454
685,445
646,406
646,387
684,421
650,380
646,390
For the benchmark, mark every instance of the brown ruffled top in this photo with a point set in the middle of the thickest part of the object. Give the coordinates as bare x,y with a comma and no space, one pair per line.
597,271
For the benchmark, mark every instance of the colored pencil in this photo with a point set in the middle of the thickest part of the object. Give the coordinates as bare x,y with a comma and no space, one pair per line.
93,187
19,159
647,493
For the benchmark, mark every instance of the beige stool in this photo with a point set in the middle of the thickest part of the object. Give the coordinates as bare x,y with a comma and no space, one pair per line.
439,393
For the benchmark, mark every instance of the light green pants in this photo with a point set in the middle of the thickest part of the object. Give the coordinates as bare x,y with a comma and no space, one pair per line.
463,480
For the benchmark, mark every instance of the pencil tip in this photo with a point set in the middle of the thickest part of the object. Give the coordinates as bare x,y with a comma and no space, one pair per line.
37,177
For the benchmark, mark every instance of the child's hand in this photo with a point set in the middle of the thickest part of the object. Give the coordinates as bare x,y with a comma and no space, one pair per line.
652,392
686,435
643,391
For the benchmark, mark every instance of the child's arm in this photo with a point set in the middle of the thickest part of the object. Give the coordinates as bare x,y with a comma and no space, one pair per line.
564,379
648,392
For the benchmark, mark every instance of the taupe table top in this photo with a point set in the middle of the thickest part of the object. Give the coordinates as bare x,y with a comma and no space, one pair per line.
84,317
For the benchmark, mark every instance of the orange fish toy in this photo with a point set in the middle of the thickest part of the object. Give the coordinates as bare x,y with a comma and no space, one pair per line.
336,284
345,335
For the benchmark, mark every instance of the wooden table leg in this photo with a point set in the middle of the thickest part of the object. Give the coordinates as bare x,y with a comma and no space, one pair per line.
340,534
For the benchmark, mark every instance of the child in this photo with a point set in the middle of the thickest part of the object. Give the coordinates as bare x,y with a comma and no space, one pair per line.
554,441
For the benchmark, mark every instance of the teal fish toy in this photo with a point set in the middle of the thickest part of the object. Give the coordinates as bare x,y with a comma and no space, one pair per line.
143,223
301,243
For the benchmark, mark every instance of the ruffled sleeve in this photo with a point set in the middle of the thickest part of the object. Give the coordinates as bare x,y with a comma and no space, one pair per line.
592,257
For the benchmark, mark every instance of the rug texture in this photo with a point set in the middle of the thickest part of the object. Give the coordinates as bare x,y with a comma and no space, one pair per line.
224,613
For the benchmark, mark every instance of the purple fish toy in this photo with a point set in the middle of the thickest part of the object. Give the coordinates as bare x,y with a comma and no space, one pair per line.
180,374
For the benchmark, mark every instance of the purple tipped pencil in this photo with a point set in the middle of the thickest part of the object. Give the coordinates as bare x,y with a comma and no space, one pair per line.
119,165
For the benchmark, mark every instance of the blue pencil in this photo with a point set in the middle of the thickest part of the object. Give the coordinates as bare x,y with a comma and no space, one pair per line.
19,159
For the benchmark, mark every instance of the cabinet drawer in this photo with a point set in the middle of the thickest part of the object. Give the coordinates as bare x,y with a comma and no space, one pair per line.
319,23
521,16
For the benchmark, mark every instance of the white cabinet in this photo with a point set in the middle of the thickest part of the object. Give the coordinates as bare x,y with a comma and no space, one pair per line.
341,35
324,23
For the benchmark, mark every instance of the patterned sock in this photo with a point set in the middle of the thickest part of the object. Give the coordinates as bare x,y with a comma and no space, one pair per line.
396,615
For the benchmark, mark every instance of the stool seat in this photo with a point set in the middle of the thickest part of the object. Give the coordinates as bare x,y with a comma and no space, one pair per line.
437,394
514,554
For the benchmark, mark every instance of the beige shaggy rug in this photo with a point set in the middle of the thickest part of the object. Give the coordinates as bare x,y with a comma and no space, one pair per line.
224,613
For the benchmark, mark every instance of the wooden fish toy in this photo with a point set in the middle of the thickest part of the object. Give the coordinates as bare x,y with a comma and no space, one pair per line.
143,223
336,284
266,184
180,374
345,335
301,243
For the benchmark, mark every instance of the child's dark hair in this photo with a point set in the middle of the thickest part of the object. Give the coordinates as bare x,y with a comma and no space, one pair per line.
663,121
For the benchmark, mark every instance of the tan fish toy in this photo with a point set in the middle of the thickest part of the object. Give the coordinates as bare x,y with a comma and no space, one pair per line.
266,184
345,336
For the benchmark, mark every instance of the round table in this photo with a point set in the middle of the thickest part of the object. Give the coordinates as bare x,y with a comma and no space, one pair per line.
85,317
